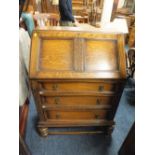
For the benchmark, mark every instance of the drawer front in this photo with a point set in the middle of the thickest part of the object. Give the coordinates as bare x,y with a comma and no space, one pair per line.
76,115
80,100
79,86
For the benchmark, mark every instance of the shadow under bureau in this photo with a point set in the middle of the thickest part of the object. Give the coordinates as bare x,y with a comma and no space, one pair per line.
77,78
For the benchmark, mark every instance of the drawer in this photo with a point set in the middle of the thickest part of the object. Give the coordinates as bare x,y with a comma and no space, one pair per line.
77,100
78,86
76,115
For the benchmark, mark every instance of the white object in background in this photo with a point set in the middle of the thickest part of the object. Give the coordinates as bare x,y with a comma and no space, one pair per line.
106,12
24,54
55,2
37,1
120,3
117,26
25,43
42,23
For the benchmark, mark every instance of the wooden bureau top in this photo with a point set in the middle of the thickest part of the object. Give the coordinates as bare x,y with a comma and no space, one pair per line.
88,28
73,53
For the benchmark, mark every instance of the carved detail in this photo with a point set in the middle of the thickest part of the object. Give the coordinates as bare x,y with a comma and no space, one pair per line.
43,131
79,48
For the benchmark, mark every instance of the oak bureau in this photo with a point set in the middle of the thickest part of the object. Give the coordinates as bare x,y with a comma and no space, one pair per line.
77,77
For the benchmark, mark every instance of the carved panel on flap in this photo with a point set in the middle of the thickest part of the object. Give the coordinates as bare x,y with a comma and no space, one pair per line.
56,55
101,55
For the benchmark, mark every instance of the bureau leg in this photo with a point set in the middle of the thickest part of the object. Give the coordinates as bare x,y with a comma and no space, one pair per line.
43,131
109,130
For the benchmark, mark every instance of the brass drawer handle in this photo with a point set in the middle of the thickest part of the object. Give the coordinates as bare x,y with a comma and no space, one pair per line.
101,88
98,102
57,100
57,116
96,116
55,87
